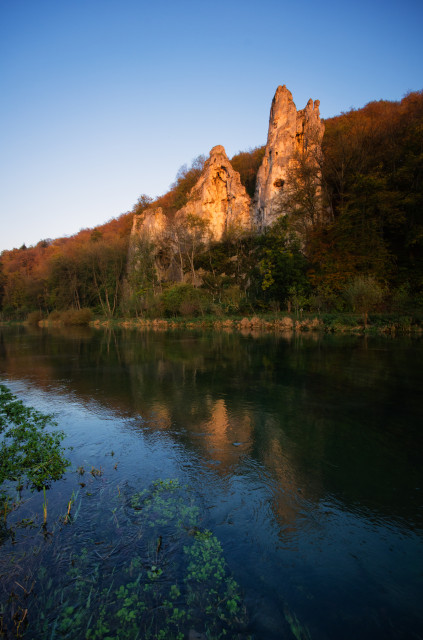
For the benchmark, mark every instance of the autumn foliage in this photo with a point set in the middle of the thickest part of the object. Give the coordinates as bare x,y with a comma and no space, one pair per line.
371,188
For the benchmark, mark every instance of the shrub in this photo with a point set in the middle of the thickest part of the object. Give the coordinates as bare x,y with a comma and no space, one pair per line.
54,316
184,299
77,317
233,299
34,317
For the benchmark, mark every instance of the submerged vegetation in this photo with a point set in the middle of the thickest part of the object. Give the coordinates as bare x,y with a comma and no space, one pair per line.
147,570
174,577
214,545
145,567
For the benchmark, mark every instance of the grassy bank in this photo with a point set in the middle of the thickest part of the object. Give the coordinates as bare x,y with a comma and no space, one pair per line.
277,322
390,324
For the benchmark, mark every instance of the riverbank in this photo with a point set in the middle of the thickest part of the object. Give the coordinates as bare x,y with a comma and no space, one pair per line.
339,323
276,323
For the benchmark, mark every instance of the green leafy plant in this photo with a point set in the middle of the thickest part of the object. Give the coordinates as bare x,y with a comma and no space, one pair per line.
171,577
31,453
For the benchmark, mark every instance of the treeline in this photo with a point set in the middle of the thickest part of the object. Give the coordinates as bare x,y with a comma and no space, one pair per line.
84,271
356,221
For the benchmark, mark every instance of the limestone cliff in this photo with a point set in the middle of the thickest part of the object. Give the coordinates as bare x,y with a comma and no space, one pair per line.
151,236
290,132
151,224
219,198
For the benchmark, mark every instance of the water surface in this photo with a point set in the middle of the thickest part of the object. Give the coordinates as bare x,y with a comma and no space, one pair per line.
300,454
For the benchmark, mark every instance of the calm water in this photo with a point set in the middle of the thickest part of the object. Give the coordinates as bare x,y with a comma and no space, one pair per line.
301,455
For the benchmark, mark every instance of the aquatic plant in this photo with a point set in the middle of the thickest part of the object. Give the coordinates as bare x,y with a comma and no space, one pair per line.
161,578
30,449
45,502
165,504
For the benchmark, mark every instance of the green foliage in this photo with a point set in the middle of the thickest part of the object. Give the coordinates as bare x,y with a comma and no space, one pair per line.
298,630
161,587
184,299
227,269
401,298
282,266
141,282
369,180
166,505
364,294
30,454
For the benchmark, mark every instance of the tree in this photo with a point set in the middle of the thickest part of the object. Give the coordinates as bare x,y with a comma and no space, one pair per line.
301,194
373,176
142,280
247,164
364,294
281,263
190,233
64,281
108,267
186,178
143,203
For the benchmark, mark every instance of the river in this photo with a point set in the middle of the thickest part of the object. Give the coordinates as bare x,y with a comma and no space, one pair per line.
221,485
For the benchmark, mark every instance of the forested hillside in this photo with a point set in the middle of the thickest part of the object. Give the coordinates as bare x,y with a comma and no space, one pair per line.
371,182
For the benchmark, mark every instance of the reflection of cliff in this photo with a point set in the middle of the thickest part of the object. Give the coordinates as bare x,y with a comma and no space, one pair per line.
314,413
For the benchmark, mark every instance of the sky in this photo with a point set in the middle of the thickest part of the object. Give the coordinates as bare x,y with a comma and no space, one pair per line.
104,100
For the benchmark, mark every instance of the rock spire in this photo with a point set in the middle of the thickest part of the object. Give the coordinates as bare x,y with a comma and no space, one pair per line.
291,132
218,197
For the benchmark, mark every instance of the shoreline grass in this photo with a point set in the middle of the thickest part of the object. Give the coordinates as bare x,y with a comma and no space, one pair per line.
390,324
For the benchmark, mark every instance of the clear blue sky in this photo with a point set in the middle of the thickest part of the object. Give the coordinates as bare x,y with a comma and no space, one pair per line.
103,100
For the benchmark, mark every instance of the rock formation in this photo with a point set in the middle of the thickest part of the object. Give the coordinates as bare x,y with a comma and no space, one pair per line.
219,198
290,132
151,224
150,235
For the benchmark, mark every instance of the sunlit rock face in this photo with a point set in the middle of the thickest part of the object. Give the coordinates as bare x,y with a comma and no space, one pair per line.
151,224
219,198
220,201
151,229
291,132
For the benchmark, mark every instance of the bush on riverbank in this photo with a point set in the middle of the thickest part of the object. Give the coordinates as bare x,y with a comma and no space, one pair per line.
70,317
34,317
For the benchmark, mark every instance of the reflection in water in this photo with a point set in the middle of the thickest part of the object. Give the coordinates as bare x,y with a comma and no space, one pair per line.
307,449
317,412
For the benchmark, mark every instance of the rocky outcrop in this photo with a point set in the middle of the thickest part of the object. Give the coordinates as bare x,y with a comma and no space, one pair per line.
291,132
149,240
220,202
151,224
219,198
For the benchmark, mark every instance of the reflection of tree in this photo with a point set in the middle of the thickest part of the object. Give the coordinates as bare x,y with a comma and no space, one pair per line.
310,412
